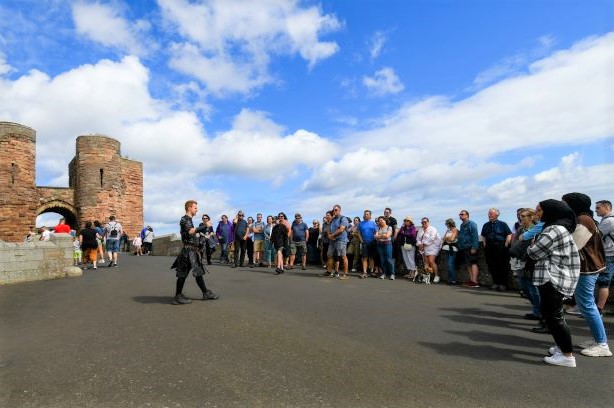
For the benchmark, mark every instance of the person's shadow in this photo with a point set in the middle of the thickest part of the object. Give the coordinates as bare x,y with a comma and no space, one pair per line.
165,300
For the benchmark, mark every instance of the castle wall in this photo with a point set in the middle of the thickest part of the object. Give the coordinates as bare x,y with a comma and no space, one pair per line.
18,198
30,261
132,203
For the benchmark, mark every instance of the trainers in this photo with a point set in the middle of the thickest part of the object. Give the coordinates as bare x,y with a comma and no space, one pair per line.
560,360
554,350
181,300
344,277
597,350
353,270
110,264
436,279
208,295
471,284
586,344
383,276
391,277
335,275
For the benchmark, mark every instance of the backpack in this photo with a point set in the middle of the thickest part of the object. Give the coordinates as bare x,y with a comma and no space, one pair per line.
114,232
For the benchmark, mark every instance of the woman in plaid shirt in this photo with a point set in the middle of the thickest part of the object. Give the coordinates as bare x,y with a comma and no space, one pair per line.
556,273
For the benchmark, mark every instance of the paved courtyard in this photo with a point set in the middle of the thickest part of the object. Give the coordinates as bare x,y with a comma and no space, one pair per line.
112,339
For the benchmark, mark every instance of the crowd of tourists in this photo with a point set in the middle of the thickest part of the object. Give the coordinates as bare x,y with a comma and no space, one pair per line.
557,254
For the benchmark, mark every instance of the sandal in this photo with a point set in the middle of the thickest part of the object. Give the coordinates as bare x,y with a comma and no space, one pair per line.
364,276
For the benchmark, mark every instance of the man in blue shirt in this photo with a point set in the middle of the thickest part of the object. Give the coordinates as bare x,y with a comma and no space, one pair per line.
468,245
299,235
368,247
337,250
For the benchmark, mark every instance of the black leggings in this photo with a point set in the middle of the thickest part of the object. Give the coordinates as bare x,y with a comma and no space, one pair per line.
181,281
552,313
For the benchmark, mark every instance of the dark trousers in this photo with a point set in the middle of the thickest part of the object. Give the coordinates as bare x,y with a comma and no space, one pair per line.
249,244
498,262
552,313
240,245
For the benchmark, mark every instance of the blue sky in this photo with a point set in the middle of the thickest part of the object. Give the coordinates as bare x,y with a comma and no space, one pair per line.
423,106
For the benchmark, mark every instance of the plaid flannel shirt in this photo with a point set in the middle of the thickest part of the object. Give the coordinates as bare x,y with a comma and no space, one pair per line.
558,260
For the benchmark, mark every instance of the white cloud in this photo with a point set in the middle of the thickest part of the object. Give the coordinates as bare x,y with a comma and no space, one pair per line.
228,44
103,23
565,98
376,44
383,82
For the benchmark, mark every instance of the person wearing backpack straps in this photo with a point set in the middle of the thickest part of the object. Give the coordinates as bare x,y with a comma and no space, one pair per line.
113,232
603,209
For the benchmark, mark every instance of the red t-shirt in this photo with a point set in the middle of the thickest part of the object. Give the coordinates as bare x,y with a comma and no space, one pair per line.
62,229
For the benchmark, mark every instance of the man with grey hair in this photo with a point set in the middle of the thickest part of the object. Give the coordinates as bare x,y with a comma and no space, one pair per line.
497,236
603,209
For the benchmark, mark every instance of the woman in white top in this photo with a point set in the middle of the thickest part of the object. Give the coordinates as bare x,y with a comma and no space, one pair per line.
429,243
450,247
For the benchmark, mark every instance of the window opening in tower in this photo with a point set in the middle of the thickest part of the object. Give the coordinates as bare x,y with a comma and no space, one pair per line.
101,177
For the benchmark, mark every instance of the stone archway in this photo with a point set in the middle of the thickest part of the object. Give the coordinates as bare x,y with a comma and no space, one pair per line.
60,207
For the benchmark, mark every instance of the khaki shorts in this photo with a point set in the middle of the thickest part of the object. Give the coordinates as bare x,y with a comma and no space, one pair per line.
259,245
299,247
90,254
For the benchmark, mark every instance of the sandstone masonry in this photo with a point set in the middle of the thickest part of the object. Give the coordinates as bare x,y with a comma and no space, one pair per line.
101,183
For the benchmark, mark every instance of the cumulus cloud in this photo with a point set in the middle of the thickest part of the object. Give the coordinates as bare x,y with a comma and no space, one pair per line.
104,24
383,82
112,98
528,110
227,45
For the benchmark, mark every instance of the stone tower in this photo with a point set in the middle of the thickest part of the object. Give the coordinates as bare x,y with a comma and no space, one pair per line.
106,184
18,196
101,183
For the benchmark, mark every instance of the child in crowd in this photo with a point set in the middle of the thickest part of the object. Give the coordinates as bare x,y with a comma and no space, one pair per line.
137,242
76,251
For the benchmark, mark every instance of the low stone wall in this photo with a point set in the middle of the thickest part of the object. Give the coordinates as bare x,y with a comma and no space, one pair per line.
167,245
39,260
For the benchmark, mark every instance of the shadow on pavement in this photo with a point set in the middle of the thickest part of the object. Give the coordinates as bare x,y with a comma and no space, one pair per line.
484,352
165,300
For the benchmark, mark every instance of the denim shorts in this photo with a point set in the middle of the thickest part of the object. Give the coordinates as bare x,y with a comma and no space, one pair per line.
605,277
337,248
112,245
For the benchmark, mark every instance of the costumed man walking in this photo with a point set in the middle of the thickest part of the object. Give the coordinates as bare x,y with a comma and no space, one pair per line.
190,258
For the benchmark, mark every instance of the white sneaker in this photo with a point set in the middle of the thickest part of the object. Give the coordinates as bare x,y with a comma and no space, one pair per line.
597,350
554,350
391,277
383,276
586,344
436,279
353,270
560,360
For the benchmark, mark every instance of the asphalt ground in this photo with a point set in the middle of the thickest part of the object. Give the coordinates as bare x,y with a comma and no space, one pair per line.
112,339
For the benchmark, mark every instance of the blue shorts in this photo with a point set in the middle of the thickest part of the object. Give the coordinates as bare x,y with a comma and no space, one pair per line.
605,277
112,245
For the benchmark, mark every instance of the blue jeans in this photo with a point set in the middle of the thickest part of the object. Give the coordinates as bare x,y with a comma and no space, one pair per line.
451,266
585,299
224,252
269,251
531,291
385,256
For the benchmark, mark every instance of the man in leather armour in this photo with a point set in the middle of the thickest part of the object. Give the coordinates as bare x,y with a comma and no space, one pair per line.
190,258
